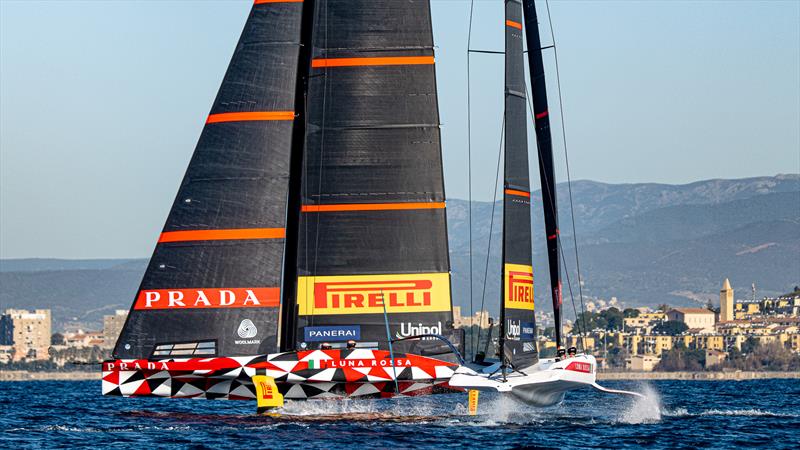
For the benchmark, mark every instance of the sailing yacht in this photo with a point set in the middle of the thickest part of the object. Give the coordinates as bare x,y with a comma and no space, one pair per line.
519,371
312,213
305,255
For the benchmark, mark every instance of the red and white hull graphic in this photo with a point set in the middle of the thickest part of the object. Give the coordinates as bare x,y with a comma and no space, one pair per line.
299,375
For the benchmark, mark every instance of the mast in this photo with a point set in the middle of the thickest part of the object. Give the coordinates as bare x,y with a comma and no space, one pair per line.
517,327
288,333
546,168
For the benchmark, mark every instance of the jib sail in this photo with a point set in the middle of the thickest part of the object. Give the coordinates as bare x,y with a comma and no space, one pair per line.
372,226
545,147
213,283
518,328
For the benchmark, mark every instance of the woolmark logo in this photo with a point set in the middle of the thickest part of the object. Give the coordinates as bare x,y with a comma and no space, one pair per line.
247,329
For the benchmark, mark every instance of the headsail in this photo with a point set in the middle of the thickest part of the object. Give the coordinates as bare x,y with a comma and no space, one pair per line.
213,283
373,225
545,147
518,335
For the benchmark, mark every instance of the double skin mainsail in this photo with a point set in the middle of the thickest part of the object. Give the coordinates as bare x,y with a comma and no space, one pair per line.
312,212
517,336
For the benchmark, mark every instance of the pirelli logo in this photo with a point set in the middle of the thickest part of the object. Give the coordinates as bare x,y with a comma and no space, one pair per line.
518,286
367,294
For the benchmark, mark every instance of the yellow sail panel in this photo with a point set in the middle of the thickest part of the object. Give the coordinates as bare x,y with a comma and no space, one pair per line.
518,281
367,294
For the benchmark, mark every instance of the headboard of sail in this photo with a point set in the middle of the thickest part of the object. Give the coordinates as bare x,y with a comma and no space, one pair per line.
213,283
372,228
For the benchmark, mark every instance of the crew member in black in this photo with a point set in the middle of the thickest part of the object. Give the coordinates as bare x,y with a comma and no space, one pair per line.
572,351
351,344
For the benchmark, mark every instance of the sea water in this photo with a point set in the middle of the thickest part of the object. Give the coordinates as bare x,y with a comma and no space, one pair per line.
675,414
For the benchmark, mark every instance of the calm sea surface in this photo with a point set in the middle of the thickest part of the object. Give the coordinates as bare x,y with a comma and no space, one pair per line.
677,414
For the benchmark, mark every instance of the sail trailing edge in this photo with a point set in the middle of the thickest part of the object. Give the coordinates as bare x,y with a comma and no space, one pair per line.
212,286
518,335
545,150
373,226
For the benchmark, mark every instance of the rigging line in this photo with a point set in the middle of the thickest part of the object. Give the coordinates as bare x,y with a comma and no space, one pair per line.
566,159
558,236
469,168
326,80
491,226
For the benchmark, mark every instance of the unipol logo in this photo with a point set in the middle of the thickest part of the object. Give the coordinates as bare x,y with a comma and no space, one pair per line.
513,329
408,329
247,329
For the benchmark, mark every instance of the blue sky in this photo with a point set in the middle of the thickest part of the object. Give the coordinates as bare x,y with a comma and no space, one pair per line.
101,103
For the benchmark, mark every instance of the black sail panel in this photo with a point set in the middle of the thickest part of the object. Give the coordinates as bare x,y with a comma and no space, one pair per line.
518,324
212,287
373,226
545,147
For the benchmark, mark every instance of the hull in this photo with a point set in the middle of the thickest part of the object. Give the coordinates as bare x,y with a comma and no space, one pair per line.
543,384
314,374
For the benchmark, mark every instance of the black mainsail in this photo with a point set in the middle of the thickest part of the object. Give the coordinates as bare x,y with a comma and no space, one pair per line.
545,150
213,284
372,226
517,337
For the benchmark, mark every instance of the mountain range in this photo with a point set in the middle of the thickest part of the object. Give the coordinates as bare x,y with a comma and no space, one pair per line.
645,244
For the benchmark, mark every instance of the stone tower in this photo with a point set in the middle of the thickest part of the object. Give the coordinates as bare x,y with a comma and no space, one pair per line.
726,302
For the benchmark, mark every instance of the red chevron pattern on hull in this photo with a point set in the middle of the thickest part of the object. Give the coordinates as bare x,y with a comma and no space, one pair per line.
313,374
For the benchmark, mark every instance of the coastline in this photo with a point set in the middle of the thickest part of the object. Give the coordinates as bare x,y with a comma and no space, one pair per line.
704,376
24,375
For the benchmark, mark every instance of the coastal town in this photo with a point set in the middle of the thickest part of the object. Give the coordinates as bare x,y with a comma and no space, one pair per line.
622,339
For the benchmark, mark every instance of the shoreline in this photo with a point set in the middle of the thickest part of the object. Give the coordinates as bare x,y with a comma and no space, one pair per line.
24,375
701,376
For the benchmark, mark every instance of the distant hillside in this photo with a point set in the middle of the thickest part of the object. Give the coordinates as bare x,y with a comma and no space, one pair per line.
646,244
652,243
50,264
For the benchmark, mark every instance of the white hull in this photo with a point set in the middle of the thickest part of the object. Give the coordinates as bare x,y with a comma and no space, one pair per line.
543,384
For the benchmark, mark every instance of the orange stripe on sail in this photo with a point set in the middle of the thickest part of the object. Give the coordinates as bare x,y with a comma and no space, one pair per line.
222,235
511,23
250,116
372,206
258,2
377,61
519,193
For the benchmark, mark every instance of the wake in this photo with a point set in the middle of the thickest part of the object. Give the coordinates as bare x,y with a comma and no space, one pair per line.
643,410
